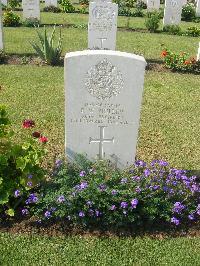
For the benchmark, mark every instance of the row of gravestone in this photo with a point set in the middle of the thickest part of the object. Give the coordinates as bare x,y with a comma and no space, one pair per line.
172,11
47,3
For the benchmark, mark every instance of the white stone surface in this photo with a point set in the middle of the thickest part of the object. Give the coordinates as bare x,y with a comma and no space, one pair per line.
172,12
102,26
184,2
198,53
31,9
103,94
51,3
4,2
153,5
198,8
1,29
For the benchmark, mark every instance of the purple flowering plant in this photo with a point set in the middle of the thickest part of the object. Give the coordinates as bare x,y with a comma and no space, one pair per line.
144,193
20,164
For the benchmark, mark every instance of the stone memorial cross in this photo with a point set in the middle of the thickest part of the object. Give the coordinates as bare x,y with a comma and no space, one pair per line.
172,12
31,9
102,26
103,94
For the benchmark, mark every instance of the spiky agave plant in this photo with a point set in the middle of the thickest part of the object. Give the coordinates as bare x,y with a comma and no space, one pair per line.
47,51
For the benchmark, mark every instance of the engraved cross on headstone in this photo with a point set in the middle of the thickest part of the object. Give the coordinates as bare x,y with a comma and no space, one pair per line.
101,141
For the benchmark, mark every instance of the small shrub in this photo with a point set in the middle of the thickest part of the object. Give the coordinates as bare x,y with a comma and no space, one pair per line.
14,4
152,21
52,9
138,13
188,12
67,6
20,164
193,31
172,29
83,9
47,51
31,22
2,56
180,62
141,4
11,19
96,194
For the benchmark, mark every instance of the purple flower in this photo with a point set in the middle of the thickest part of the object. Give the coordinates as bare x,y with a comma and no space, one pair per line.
124,204
58,163
102,187
32,199
29,184
82,173
178,207
195,188
114,192
138,189
124,180
89,203
17,193
163,163
83,185
135,178
97,213
175,221
91,212
134,203
25,211
140,163
81,214
113,208
30,176
47,214
147,172
61,199
191,217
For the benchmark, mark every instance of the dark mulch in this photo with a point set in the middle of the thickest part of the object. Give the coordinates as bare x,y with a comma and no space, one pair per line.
64,228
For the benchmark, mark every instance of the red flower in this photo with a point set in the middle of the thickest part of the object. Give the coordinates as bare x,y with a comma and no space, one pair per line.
27,123
164,53
187,62
36,134
43,139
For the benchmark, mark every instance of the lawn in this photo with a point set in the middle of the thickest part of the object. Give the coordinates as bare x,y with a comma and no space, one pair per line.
169,129
35,250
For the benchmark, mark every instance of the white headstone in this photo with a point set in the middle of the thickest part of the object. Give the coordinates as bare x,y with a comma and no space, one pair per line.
31,9
198,53
51,3
102,26
153,5
4,2
103,92
198,8
1,29
172,12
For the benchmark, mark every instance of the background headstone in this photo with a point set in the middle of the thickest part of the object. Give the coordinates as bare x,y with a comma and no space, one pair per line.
102,26
184,2
198,53
4,2
51,3
172,12
198,8
103,98
1,29
31,9
153,5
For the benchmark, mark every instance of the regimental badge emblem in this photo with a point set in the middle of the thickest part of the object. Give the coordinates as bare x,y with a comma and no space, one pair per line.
104,80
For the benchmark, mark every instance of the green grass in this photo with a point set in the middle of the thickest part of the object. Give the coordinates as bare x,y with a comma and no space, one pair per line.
170,114
76,39
33,250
